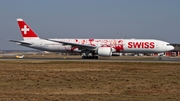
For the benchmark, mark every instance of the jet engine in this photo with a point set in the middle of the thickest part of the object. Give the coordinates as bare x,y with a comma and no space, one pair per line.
104,51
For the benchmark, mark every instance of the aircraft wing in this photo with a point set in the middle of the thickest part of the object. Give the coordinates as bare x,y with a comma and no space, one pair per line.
21,42
80,46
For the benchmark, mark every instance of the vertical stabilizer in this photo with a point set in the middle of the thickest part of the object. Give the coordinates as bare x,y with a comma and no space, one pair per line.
26,31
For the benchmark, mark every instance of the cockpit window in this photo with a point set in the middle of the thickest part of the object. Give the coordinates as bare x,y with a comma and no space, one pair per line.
169,45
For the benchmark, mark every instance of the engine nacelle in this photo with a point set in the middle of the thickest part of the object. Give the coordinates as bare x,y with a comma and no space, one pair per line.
104,51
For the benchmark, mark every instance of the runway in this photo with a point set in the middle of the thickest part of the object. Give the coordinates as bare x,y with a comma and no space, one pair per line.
129,59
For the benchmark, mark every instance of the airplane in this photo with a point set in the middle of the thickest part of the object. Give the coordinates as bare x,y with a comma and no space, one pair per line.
20,56
91,48
17,55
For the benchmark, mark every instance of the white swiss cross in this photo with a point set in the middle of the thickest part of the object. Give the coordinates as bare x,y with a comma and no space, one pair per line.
25,29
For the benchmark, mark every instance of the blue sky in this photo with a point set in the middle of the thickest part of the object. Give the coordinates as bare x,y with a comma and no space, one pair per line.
154,19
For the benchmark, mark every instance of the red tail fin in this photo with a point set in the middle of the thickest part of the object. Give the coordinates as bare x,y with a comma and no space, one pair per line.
26,31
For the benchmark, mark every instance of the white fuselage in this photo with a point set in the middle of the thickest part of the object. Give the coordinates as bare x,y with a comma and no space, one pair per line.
117,45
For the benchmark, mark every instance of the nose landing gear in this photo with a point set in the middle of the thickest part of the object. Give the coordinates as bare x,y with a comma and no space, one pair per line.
160,58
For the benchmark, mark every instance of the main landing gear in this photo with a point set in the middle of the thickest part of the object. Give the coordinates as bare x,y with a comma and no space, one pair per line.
89,57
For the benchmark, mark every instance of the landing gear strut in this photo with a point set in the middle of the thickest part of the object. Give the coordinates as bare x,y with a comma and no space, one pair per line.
87,56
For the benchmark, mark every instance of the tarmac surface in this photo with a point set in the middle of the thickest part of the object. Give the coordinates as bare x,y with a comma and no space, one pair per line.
154,59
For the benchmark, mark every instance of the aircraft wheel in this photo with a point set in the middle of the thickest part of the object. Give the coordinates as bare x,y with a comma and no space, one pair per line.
89,57
96,57
93,57
83,57
159,58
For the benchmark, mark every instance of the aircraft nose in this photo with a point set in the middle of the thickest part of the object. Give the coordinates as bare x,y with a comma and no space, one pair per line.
169,48
172,47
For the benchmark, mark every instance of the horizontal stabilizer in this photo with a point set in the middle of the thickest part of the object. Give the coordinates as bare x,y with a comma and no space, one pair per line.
21,42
